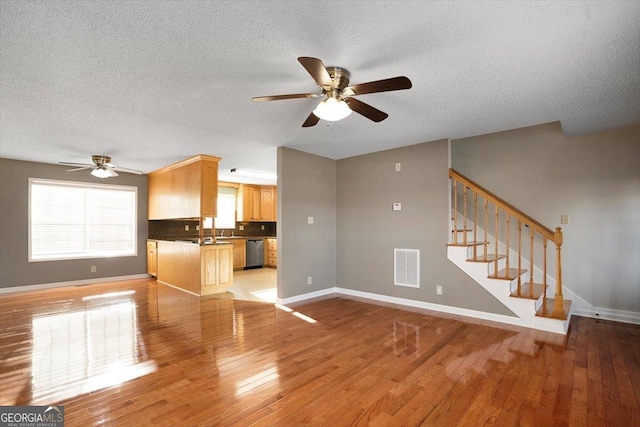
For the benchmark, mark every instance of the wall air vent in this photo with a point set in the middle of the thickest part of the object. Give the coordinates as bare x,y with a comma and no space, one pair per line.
406,267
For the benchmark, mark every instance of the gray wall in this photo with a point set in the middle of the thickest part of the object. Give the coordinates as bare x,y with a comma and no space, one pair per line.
594,178
368,229
306,187
15,270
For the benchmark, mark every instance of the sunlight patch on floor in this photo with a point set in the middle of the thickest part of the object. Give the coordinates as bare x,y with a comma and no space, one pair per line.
268,295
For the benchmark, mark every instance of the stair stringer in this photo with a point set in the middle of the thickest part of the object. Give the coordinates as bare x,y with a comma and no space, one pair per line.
523,308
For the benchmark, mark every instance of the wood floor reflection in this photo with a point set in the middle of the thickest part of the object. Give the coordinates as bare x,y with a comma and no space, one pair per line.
141,353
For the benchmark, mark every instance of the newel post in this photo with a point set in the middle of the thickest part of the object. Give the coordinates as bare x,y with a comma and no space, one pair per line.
558,304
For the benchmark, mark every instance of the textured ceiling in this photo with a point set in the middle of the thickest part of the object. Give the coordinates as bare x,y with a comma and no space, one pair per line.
153,82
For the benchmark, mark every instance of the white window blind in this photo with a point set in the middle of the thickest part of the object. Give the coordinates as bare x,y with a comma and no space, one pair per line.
226,208
72,220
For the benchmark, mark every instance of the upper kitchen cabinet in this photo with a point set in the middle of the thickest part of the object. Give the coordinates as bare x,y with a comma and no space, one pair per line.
267,203
187,189
258,203
251,202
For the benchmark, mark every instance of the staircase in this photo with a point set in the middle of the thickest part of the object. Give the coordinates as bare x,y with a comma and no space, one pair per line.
487,244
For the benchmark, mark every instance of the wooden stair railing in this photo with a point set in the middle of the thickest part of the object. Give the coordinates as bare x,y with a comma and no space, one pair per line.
557,307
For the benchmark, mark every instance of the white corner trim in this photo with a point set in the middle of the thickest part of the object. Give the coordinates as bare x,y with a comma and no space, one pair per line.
303,297
71,283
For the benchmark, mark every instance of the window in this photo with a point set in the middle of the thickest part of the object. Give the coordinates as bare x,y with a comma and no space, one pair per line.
226,208
72,220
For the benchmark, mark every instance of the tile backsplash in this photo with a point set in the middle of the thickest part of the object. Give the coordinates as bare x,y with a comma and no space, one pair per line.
175,229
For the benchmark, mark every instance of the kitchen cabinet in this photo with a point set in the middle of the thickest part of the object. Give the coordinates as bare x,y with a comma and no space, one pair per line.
267,203
258,203
198,269
271,252
152,258
187,189
217,269
250,202
239,252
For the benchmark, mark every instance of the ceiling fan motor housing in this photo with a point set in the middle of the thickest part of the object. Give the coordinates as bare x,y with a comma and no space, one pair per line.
340,77
101,160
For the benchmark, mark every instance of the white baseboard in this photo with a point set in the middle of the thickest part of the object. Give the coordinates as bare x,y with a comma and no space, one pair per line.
71,283
408,303
303,297
608,314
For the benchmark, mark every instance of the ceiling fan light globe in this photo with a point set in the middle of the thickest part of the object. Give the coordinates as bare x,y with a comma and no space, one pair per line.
332,109
101,173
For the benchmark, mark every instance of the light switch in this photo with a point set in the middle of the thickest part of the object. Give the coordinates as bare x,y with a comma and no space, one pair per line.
564,219
310,220
398,167
397,206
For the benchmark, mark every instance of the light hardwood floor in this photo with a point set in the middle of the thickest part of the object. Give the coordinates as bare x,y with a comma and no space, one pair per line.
139,353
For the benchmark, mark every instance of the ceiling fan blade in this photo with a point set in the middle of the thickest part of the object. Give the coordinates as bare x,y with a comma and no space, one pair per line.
279,97
126,170
318,71
112,173
386,85
366,110
312,120
78,165
79,169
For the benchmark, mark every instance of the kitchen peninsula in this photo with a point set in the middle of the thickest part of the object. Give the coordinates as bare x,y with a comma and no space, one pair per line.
186,192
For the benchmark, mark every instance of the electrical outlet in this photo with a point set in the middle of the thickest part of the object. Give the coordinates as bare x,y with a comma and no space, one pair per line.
186,227
438,290
262,228
309,220
309,280
93,268
197,227
241,227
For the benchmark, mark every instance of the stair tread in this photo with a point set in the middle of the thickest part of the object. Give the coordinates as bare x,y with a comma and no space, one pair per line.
469,243
507,274
549,313
525,291
486,258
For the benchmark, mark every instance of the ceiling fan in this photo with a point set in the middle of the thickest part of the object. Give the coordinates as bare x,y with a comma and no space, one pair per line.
338,102
101,167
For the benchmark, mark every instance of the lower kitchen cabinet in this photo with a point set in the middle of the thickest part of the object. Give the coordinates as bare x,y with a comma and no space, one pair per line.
271,252
239,252
201,270
152,258
217,268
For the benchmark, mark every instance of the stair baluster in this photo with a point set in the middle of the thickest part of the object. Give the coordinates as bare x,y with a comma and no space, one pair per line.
464,218
454,217
519,257
475,222
497,237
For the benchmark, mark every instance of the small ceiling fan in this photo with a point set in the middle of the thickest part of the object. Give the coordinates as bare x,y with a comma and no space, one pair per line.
101,167
338,102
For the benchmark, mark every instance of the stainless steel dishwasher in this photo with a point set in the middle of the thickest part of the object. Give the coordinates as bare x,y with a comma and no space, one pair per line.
255,253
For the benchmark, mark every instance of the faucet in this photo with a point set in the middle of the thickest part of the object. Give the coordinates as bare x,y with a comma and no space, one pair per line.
233,234
221,233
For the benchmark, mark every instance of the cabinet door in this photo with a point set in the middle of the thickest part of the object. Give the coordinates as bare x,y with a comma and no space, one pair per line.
225,265
209,192
267,204
152,259
239,254
250,203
